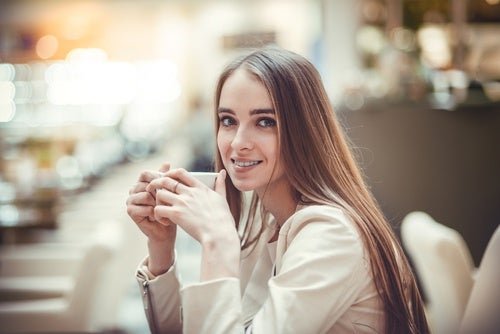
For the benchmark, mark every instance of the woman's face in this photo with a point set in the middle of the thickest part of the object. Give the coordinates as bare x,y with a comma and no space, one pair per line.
248,134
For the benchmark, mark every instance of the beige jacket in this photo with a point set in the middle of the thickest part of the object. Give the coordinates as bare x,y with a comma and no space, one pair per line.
319,282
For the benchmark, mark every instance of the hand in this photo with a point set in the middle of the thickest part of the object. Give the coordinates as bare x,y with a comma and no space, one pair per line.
161,235
205,215
187,202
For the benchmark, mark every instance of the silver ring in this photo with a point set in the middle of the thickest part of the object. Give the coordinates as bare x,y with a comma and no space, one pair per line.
175,187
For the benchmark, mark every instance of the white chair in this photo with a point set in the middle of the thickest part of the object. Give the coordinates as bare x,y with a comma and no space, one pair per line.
41,270
40,259
443,264
34,287
74,311
482,314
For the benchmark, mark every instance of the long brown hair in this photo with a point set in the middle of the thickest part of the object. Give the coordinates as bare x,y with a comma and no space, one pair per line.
322,170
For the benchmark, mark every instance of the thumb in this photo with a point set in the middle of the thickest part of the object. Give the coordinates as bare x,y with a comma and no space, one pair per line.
220,183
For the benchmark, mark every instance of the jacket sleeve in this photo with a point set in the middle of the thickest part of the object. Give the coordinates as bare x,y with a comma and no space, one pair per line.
318,278
161,299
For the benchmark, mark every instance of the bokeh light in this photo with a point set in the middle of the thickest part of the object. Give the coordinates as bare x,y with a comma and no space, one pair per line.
46,47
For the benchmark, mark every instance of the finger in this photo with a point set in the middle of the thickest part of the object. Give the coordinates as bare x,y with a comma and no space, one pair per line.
164,221
165,167
155,185
148,176
142,198
220,183
138,187
165,197
140,211
164,213
166,183
184,176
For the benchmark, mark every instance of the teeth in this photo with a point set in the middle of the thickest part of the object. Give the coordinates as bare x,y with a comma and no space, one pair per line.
245,163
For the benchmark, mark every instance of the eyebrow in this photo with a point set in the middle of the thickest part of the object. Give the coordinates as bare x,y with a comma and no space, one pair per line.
252,112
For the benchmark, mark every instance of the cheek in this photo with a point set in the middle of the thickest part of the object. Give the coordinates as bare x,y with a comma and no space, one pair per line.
223,143
271,147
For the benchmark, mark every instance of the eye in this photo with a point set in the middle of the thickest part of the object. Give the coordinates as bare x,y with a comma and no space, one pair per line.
267,122
227,121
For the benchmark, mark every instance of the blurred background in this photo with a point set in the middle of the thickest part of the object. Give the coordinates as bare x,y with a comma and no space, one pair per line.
93,92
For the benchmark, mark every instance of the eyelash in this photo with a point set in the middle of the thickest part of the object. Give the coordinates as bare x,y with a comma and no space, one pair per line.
225,119
269,122
264,122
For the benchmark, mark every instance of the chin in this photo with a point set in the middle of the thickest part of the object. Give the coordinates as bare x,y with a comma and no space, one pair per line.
243,186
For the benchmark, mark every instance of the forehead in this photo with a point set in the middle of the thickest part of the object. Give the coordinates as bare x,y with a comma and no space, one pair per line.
243,89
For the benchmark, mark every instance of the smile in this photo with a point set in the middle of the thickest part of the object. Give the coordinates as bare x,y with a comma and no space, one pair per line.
246,163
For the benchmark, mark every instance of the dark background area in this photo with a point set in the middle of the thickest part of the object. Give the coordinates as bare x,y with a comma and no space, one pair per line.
443,162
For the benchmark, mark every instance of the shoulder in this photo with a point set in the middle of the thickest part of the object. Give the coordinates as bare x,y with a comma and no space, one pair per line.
325,235
324,211
324,226
320,217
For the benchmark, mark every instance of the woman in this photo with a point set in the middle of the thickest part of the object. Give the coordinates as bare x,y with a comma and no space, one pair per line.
313,252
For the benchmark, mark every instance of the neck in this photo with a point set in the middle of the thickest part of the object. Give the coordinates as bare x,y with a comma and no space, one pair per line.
279,200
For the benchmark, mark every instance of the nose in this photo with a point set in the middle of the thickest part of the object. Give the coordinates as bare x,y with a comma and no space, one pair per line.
242,139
